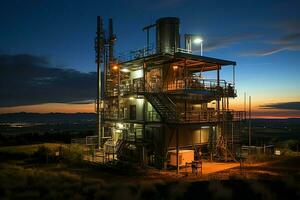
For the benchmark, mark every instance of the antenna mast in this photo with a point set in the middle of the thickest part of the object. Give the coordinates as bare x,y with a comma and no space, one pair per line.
99,48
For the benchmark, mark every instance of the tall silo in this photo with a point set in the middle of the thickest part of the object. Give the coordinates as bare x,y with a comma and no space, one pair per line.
167,35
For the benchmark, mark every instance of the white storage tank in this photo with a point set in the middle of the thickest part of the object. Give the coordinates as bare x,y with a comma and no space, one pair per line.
184,156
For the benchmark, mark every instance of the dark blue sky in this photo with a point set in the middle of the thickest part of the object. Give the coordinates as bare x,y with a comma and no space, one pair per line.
263,37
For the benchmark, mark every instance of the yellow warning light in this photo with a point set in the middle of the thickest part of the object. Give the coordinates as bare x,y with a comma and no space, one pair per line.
115,67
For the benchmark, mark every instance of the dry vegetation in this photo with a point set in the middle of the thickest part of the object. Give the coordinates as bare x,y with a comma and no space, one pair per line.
31,178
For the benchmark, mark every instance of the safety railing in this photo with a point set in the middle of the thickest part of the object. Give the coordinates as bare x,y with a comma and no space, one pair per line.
133,135
132,88
146,51
181,50
239,115
194,83
212,116
110,115
114,115
153,116
136,54
88,140
203,116
191,83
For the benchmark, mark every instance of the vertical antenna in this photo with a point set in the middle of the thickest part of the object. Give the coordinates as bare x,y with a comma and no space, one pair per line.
233,75
147,29
99,44
112,39
148,40
245,103
249,120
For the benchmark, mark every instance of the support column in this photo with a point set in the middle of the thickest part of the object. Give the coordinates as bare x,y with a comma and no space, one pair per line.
119,95
185,87
177,150
218,95
164,148
144,111
212,140
218,127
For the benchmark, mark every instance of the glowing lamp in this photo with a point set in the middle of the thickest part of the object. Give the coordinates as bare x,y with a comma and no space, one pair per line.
115,67
120,126
198,40
125,70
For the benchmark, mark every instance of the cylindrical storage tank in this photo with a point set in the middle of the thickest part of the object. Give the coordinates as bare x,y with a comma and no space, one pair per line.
167,35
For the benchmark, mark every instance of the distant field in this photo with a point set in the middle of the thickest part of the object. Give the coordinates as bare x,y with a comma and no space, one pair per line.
23,151
26,149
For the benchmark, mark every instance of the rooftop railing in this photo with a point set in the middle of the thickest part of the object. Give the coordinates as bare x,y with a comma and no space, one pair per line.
191,83
181,50
194,83
145,51
203,116
136,54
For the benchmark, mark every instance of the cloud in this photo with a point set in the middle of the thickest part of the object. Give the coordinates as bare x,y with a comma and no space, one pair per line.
270,51
282,105
28,79
225,41
82,102
289,40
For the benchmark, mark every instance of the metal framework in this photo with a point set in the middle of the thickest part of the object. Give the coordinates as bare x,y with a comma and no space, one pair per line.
156,102
157,95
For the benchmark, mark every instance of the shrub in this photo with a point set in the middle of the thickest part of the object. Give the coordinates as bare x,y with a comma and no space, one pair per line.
44,154
290,144
72,154
259,157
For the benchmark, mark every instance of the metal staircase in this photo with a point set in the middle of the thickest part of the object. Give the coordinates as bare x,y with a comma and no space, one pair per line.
163,106
123,146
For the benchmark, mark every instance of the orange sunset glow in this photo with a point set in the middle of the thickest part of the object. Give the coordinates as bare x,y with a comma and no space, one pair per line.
237,104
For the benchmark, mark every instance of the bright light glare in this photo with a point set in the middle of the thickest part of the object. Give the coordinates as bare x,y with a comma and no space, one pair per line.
115,67
125,70
120,126
198,40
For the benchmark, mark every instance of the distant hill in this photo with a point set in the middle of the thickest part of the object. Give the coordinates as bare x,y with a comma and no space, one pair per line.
91,117
24,117
289,122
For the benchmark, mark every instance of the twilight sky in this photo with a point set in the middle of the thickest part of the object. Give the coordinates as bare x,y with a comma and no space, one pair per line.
47,55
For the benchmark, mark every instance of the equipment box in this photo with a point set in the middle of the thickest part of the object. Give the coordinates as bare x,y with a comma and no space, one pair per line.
184,156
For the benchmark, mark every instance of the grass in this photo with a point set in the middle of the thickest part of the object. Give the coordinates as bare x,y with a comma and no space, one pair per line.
63,181
26,149
36,183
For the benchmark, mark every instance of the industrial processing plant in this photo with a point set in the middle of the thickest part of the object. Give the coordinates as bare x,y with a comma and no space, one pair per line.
157,107
139,99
